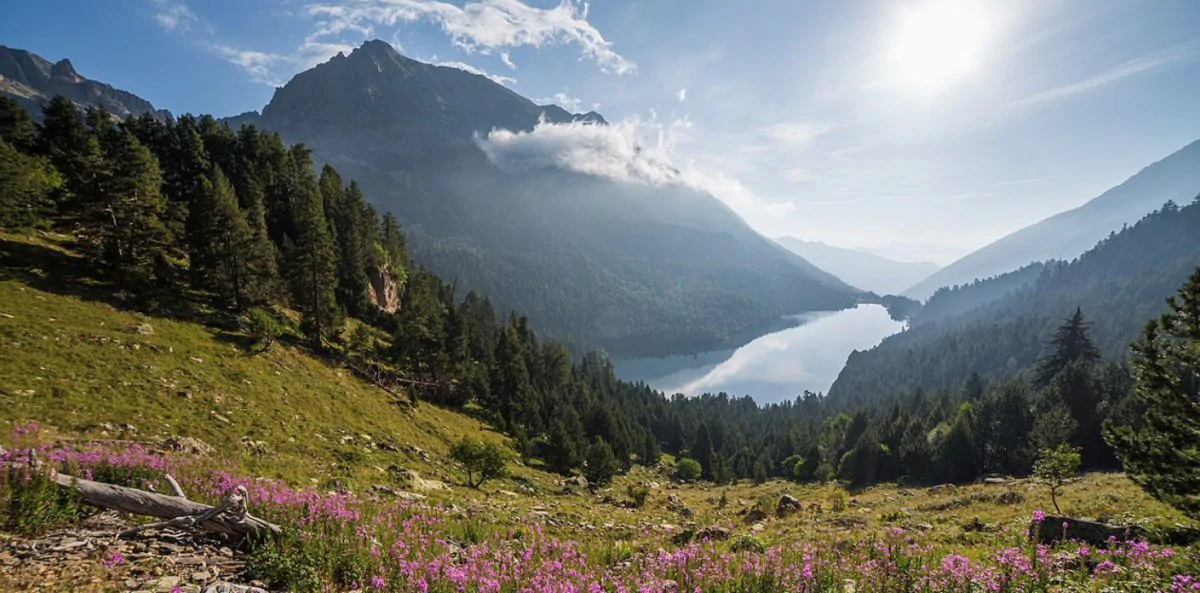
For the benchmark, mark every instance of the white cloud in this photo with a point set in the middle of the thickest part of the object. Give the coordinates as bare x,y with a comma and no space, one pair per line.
632,151
173,14
259,65
507,60
481,25
496,78
1174,55
562,100
681,95
796,133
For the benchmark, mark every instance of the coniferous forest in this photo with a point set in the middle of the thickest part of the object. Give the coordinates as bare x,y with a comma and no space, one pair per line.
189,214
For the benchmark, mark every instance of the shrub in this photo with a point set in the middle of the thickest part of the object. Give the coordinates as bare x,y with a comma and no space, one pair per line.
482,461
687,470
36,504
748,543
638,493
1054,467
263,328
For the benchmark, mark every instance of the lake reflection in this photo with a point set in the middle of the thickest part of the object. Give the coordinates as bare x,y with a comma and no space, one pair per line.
775,367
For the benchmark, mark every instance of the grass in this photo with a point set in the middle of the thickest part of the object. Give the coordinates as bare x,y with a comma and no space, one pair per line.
75,359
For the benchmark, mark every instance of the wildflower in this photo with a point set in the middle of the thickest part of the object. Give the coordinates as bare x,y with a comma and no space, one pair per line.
1039,516
377,582
113,561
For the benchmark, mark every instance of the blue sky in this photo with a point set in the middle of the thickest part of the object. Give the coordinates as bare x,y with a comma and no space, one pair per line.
916,128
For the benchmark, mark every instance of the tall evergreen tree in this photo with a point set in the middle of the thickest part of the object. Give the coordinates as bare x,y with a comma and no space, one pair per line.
16,127
1071,343
312,266
702,451
220,241
1162,451
394,244
27,186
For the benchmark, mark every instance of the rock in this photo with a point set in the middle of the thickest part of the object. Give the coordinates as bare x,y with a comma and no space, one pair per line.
1051,531
755,516
256,447
144,329
186,445
201,576
788,505
713,533
995,481
381,489
757,527
411,480
165,584
196,359
575,482
385,288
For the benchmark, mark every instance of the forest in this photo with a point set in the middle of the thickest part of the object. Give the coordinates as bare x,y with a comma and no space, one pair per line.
189,214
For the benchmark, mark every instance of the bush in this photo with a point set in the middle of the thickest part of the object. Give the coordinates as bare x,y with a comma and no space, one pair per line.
36,503
1054,467
748,543
483,461
687,470
263,328
638,493
602,463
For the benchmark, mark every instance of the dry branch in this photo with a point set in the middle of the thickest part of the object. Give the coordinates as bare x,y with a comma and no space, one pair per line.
229,518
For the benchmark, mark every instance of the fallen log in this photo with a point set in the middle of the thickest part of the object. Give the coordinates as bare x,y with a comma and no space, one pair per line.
230,518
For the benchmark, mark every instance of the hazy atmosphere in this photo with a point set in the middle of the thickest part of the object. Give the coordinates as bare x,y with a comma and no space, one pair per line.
558,296
919,130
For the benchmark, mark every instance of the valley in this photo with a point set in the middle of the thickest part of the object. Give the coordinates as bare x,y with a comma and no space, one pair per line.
407,329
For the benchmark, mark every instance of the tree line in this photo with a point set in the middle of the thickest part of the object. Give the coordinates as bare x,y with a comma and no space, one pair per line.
190,207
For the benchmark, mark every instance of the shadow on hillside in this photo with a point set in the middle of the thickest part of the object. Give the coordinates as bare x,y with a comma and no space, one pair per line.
52,270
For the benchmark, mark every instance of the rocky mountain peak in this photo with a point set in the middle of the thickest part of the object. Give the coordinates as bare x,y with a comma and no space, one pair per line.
64,70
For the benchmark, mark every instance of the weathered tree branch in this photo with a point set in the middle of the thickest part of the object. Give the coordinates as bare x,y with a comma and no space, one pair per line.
230,518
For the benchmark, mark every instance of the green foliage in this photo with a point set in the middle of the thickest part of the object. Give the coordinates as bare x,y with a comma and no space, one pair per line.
748,543
27,186
287,563
482,461
687,470
1161,450
637,494
264,328
602,463
312,264
34,503
1054,468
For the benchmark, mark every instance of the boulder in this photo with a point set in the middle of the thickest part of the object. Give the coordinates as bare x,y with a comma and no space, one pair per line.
714,533
755,516
788,505
186,445
1052,530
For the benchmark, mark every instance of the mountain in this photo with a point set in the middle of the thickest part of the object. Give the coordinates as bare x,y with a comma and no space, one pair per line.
33,81
1120,283
635,269
859,268
1068,234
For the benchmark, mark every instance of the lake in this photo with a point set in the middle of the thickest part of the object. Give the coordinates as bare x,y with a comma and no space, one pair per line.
775,367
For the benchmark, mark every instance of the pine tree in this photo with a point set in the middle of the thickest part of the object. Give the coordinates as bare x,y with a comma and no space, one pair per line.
262,276
514,398
1162,451
312,264
702,451
1070,343
27,186
220,241
120,210
75,153
16,127
394,244
602,463
353,284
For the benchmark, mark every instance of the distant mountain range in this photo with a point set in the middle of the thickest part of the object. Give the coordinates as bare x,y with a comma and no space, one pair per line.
999,327
33,81
1066,235
861,269
633,268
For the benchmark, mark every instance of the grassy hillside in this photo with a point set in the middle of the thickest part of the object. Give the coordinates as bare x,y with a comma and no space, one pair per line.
74,360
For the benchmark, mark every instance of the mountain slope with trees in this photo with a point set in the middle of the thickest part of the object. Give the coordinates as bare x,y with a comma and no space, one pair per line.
633,269
1066,235
1121,282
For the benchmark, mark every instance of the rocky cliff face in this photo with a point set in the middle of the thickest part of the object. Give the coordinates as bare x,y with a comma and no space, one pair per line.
33,81
385,290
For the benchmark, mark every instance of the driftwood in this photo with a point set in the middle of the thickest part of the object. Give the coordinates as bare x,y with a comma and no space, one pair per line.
230,518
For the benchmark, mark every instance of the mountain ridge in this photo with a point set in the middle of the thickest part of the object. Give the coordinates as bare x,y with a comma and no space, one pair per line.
33,80
1068,234
630,268
860,269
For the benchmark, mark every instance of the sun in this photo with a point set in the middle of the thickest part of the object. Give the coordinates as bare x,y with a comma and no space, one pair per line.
938,44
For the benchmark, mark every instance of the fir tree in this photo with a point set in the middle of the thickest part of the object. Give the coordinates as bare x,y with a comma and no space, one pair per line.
602,463
394,245
1070,343
16,127
220,241
27,186
702,451
312,263
1161,452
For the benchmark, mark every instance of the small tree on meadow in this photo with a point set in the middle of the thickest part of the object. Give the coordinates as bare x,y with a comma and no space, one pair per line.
482,461
687,470
1054,467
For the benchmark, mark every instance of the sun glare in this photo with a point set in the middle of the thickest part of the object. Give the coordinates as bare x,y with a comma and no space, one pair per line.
938,44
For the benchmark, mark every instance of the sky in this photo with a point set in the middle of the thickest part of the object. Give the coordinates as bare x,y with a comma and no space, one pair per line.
917,129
